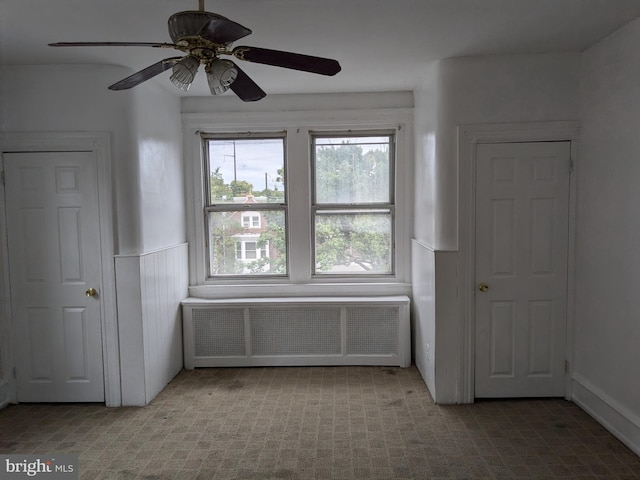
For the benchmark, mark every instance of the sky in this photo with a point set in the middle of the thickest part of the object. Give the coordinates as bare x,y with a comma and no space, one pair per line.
253,158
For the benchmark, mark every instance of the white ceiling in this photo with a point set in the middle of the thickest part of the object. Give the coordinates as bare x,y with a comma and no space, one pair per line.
382,45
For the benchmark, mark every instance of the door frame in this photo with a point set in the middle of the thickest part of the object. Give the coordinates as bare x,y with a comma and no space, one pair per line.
469,136
99,144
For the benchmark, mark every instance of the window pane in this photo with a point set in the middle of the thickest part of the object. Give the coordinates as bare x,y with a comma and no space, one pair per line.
250,250
351,170
238,250
242,168
353,242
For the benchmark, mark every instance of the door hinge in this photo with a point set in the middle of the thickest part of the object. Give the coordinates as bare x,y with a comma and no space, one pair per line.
15,373
566,366
570,165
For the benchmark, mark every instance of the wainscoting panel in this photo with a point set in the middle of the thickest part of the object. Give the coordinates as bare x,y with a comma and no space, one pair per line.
435,311
150,288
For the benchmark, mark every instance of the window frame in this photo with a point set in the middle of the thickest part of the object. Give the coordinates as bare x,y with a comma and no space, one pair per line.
297,123
353,207
247,210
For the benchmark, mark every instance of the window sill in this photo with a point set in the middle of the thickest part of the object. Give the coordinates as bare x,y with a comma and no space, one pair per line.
302,290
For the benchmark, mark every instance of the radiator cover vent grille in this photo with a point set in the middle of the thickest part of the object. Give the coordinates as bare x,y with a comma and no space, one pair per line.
297,331
372,330
218,332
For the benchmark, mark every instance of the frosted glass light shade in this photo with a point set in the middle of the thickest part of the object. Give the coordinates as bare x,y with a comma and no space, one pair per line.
220,75
184,71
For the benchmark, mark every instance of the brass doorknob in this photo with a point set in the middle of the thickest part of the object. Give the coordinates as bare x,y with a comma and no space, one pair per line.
483,287
92,292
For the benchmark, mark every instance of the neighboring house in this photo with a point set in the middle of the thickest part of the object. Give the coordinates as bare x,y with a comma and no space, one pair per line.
254,223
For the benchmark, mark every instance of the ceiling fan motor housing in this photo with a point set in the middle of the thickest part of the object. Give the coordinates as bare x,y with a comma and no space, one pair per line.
189,23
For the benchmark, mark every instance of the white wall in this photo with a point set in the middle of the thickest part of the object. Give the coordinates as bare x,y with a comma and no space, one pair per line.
473,90
158,129
72,98
425,129
607,345
495,89
145,130
423,257
146,136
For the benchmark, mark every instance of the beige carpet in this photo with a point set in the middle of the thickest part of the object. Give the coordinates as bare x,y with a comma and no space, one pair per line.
324,423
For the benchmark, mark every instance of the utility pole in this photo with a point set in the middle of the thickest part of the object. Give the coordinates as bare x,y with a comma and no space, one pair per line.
235,173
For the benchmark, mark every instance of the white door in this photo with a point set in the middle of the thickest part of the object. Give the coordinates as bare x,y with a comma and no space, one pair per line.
54,259
522,215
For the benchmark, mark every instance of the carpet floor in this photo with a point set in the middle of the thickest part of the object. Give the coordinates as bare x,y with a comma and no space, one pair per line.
302,423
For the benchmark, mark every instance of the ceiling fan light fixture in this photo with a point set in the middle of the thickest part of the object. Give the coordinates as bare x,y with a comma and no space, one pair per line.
220,75
203,36
184,71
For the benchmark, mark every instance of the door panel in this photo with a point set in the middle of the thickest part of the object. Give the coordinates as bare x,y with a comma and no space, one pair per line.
522,206
54,257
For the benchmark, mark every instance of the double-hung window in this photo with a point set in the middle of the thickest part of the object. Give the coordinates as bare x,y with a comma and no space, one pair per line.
245,205
353,203
302,210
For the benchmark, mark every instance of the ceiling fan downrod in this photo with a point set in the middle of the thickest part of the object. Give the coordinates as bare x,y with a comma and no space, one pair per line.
201,5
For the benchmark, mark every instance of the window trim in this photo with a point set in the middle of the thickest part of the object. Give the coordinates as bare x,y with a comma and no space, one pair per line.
297,123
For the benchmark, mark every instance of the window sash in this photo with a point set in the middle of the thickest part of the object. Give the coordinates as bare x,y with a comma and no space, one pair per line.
234,232
248,220
206,137
314,137
319,208
367,263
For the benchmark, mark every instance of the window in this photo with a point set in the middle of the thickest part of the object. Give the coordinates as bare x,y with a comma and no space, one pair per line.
251,220
353,204
319,207
245,205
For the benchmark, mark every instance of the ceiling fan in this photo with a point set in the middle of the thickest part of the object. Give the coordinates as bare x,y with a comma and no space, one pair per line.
204,37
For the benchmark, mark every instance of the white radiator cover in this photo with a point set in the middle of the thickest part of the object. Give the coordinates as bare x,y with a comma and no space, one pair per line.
296,331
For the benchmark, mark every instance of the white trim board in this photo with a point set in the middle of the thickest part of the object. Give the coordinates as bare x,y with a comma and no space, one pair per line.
617,419
469,136
99,143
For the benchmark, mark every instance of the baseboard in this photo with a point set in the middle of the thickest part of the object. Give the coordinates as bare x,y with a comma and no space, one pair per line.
617,419
5,398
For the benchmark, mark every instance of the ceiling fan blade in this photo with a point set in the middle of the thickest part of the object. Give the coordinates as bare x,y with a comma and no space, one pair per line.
112,44
145,74
245,88
295,61
223,31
